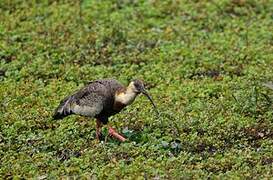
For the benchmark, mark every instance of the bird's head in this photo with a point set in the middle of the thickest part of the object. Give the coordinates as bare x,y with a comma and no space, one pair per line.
138,87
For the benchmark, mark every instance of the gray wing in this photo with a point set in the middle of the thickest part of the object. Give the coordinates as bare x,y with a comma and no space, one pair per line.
112,84
89,101
90,105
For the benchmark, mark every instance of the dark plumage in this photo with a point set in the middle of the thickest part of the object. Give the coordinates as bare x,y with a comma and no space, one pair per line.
94,100
100,99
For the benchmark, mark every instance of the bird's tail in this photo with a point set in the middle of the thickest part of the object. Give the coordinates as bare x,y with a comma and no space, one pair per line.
64,109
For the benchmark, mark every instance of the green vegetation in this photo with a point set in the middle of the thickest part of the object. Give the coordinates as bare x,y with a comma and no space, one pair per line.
204,63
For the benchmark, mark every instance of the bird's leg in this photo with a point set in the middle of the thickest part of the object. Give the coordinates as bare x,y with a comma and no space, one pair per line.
116,135
98,129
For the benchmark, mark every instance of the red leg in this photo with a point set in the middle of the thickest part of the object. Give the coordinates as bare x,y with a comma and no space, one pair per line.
98,129
113,133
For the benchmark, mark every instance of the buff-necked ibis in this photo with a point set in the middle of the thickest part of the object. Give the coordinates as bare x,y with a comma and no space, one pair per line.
101,99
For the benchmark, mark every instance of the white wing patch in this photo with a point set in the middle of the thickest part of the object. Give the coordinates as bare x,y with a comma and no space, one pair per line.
87,110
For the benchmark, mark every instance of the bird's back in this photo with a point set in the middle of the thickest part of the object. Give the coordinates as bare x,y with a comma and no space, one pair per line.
95,98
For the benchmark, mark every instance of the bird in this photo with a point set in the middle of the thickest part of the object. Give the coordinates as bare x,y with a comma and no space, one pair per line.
101,99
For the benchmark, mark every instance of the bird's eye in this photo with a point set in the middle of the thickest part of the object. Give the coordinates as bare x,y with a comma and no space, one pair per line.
136,85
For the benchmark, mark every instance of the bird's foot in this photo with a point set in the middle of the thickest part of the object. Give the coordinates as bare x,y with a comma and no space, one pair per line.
116,135
99,136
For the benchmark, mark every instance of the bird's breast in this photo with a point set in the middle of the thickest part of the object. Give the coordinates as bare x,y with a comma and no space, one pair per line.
118,106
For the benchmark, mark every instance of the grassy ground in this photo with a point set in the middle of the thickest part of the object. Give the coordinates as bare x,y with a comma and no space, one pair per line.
204,63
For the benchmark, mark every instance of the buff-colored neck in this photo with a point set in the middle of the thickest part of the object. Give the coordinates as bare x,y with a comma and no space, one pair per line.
127,96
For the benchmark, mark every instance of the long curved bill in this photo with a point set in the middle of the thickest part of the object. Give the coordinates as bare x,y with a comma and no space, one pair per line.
150,98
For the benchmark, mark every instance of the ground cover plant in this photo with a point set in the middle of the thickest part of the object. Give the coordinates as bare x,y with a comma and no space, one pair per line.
204,63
